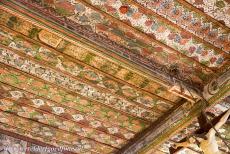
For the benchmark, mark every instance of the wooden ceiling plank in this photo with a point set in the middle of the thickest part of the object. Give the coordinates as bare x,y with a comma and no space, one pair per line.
45,64
30,140
168,21
23,74
89,83
166,77
30,123
86,3
70,86
190,6
70,111
157,81
20,105
165,20
140,32
86,65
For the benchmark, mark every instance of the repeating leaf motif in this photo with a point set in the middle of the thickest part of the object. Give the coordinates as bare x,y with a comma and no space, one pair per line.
58,95
83,55
20,109
79,70
37,130
218,9
193,21
58,88
163,32
76,86
69,113
138,44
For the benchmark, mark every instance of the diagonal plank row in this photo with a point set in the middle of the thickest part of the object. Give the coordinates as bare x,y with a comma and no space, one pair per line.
94,76
62,63
160,53
55,136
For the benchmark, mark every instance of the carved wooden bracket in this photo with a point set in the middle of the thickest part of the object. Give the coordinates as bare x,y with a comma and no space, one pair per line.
182,91
214,86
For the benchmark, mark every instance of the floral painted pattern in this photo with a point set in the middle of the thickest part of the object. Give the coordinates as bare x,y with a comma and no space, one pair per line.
52,134
60,96
83,55
17,146
60,62
79,87
69,113
165,33
52,120
27,134
192,21
218,9
158,54
57,88
136,43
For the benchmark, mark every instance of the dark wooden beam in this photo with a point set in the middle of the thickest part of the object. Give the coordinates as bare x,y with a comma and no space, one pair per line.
145,137
177,118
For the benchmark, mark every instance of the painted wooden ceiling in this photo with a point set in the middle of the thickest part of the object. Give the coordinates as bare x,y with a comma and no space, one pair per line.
14,145
93,75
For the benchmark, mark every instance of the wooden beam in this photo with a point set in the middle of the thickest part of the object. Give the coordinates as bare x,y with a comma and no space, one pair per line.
145,137
173,122
156,72
224,91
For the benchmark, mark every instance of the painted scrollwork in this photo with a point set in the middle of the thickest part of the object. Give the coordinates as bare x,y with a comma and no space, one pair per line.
213,87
